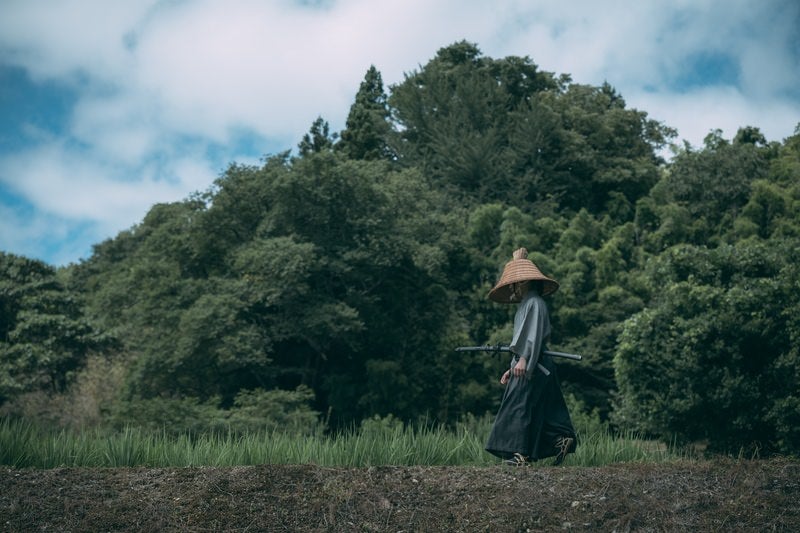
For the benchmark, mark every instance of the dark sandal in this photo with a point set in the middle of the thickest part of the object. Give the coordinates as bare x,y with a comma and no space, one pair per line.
517,460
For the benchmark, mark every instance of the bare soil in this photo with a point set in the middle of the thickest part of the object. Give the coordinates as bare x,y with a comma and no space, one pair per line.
718,495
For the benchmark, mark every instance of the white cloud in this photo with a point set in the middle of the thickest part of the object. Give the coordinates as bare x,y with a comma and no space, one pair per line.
62,38
207,68
275,68
119,128
695,114
72,186
18,231
162,81
46,237
643,50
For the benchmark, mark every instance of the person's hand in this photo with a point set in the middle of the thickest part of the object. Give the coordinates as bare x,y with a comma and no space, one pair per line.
519,368
504,379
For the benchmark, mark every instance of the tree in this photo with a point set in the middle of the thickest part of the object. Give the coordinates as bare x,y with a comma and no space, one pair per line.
376,281
750,135
367,130
765,212
44,338
354,267
451,116
501,130
713,357
714,183
318,139
318,270
612,148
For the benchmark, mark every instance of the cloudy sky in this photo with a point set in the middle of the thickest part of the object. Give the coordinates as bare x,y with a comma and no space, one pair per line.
109,107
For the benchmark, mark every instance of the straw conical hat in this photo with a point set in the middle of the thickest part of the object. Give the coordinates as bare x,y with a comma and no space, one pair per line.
520,268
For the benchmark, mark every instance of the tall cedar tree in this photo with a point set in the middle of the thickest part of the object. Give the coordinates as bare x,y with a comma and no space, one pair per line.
366,135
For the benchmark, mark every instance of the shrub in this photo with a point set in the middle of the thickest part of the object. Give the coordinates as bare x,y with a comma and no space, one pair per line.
284,410
714,357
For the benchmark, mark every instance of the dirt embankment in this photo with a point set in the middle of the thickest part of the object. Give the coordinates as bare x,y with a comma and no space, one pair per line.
702,496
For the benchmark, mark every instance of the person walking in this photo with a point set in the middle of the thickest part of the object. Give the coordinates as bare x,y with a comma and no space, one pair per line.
533,421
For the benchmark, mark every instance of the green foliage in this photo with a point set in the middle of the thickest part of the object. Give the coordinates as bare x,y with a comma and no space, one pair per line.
259,410
587,422
300,274
379,441
503,130
452,116
765,213
44,337
714,184
339,280
252,411
368,130
714,353
169,415
318,139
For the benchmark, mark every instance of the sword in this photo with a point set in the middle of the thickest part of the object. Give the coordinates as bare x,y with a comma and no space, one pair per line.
500,348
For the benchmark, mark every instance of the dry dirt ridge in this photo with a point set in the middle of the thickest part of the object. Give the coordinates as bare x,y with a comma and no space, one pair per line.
719,495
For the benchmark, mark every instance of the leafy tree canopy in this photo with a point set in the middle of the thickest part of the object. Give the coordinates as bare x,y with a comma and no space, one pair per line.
44,338
338,280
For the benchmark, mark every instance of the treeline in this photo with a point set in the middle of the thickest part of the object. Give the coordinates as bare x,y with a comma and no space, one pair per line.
332,284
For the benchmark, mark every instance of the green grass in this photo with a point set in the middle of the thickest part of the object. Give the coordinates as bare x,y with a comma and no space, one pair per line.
375,443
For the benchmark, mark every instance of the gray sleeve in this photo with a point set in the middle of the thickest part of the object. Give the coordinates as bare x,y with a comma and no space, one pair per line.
529,331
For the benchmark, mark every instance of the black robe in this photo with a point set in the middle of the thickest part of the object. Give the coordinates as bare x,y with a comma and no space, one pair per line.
532,414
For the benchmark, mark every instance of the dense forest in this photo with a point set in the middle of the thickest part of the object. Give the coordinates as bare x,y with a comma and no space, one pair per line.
331,283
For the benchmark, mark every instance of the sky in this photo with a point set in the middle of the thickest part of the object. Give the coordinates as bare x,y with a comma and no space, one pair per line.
107,108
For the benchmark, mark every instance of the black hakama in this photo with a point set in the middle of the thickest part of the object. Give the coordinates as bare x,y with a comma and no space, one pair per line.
533,415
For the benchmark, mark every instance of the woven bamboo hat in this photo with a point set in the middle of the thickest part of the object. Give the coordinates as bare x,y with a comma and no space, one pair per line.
520,268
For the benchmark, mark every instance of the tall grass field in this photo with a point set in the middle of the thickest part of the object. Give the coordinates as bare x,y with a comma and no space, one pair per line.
375,442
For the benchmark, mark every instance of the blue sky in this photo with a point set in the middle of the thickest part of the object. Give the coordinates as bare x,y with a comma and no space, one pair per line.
107,108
